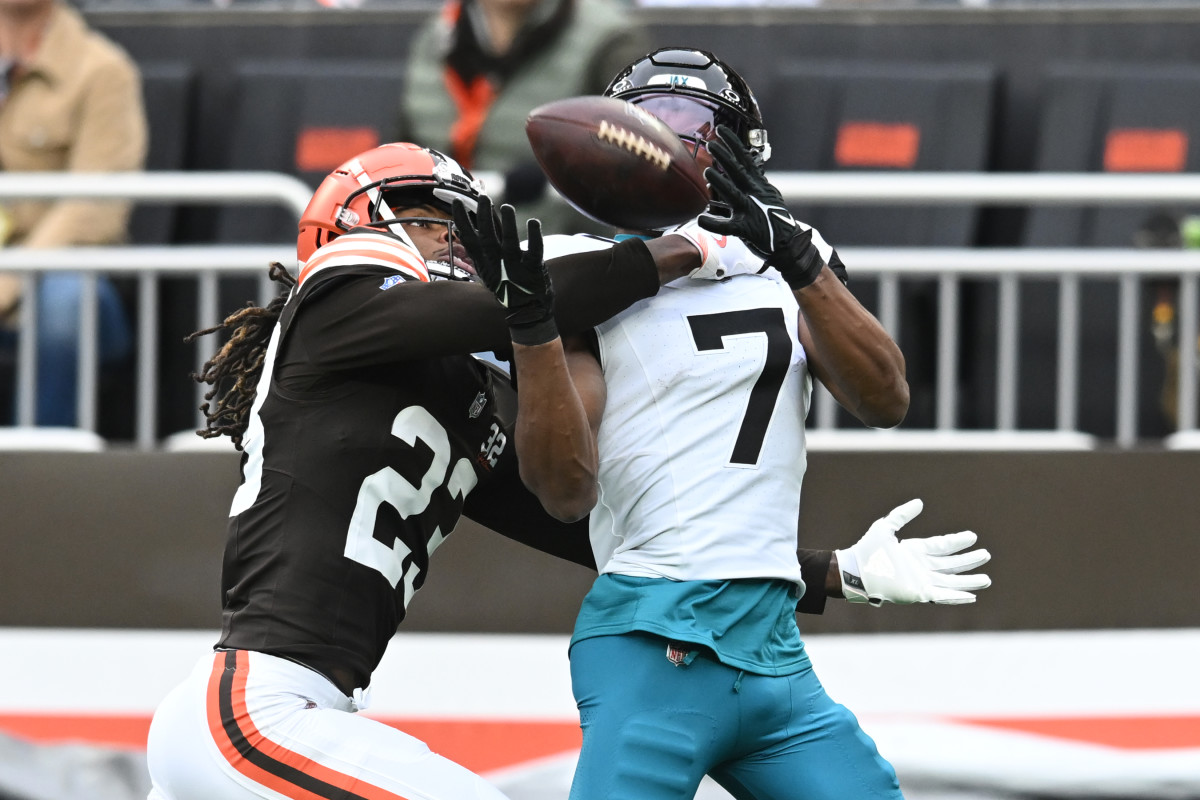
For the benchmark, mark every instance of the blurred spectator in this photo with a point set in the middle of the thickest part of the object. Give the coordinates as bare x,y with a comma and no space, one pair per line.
1171,230
70,100
477,69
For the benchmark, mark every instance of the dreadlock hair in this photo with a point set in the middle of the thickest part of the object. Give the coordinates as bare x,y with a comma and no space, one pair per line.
234,371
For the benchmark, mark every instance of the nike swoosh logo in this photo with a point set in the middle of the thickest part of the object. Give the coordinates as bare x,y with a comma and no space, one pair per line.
783,217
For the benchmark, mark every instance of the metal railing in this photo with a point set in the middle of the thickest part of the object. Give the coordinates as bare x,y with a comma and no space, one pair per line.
148,263
986,188
1008,267
195,188
890,266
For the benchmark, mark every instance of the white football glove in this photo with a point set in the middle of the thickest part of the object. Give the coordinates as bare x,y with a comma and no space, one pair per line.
880,569
722,256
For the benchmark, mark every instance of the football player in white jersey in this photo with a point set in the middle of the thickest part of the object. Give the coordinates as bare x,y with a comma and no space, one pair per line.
686,658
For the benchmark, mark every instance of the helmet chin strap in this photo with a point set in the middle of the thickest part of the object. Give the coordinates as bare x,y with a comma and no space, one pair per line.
445,271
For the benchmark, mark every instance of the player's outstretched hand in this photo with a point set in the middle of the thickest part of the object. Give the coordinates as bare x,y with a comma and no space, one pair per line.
517,277
880,569
757,213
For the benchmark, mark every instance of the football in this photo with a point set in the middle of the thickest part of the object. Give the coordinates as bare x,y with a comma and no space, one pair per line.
616,163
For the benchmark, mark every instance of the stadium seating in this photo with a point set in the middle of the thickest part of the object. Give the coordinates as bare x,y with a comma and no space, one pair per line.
297,116
830,116
1099,117
304,117
883,116
1112,118
168,88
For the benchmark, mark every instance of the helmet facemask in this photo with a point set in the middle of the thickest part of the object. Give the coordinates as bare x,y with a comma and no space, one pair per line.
438,189
390,196
370,189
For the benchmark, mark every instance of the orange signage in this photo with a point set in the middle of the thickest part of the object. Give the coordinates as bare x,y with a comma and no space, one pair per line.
1145,150
877,144
323,149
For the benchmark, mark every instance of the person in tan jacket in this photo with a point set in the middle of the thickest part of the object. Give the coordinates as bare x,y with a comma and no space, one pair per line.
70,101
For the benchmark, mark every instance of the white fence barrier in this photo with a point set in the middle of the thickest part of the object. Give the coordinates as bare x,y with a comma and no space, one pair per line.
148,263
197,188
890,265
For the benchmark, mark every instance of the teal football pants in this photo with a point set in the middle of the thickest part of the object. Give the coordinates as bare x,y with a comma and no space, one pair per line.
652,730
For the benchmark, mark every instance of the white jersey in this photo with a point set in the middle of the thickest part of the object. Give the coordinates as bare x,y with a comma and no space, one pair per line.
702,439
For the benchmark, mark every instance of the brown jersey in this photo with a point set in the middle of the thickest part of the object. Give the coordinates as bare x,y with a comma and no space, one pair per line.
369,436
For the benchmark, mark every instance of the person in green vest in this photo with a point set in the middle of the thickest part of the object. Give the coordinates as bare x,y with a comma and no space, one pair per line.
478,68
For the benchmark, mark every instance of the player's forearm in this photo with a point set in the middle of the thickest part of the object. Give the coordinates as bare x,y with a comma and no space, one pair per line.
443,318
833,578
554,440
860,362
674,256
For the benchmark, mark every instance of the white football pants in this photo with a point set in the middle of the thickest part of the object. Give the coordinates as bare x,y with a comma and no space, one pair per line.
248,725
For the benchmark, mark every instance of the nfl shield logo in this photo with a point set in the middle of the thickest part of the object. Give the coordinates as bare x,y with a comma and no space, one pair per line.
676,654
477,407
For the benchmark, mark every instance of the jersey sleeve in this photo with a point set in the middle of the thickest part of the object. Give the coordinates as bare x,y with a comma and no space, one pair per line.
593,286
814,566
356,320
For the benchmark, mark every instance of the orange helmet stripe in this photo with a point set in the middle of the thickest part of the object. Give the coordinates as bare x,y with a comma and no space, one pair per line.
356,249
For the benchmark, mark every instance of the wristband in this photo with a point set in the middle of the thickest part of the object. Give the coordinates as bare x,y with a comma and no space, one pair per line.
853,588
535,333
798,261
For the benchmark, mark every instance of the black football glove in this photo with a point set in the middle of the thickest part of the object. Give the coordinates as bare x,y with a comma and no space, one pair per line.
758,215
517,277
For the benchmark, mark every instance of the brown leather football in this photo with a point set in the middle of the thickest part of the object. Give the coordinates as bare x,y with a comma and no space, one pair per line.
616,163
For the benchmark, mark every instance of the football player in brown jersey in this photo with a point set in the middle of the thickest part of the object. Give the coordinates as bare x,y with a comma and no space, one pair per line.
367,429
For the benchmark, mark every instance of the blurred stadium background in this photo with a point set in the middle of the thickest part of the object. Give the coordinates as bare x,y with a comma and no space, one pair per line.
996,175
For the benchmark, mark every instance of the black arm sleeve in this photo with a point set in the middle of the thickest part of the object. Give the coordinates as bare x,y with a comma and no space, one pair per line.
595,286
814,566
505,506
361,324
